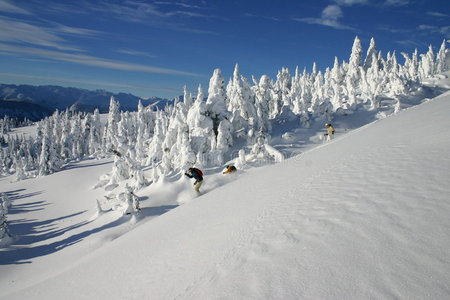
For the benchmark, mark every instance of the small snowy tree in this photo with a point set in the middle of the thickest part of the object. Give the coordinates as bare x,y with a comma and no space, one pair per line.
128,201
5,236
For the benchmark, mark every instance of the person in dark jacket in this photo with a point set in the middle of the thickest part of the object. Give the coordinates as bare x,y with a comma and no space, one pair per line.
197,175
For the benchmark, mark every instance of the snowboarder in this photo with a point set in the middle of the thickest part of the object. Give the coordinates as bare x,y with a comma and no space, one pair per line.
330,131
197,175
229,169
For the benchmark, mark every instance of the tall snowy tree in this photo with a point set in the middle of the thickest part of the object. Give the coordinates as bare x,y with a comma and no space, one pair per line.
216,99
112,126
49,161
441,60
263,97
371,55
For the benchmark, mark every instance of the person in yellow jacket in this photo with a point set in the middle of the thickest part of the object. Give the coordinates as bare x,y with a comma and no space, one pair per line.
229,169
330,131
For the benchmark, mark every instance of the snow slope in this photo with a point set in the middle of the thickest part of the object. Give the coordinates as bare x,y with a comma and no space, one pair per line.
364,216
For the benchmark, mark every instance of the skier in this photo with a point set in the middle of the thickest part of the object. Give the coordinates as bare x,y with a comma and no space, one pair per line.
229,169
197,175
330,131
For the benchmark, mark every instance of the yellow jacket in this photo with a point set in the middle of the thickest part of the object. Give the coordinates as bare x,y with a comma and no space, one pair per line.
229,169
330,129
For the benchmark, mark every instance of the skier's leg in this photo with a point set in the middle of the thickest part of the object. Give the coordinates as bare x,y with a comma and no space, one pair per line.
197,186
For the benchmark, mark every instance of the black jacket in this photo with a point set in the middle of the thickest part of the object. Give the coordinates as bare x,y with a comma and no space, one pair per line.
194,173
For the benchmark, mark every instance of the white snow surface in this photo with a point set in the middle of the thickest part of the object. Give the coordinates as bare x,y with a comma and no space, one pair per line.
364,216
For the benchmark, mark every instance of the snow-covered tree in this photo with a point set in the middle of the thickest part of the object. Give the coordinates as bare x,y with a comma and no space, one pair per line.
224,136
49,161
442,64
371,55
353,75
281,92
263,96
5,235
216,107
112,126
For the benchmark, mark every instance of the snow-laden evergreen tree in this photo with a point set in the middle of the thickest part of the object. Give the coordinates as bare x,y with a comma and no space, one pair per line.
263,92
129,200
427,64
353,75
396,83
49,161
295,93
240,103
281,92
5,236
411,69
19,168
112,126
241,161
216,99
187,97
371,55
155,149
373,83
141,124
442,63
95,134
185,156
200,125
76,138
224,137
65,141
318,95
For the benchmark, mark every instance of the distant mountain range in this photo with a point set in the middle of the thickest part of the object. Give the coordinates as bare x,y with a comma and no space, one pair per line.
37,102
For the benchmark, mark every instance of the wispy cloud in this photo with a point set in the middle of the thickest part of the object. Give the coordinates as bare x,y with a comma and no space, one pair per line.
445,31
394,30
153,15
89,82
409,43
431,29
135,53
20,32
396,2
62,29
351,2
89,60
330,17
8,7
250,15
437,14
185,5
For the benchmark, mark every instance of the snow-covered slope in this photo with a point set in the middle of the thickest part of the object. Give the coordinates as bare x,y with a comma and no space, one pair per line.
364,216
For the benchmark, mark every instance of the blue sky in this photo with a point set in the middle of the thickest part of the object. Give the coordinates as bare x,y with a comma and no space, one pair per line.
154,48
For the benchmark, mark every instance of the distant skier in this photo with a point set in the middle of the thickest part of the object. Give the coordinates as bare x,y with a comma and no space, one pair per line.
229,169
330,131
197,175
